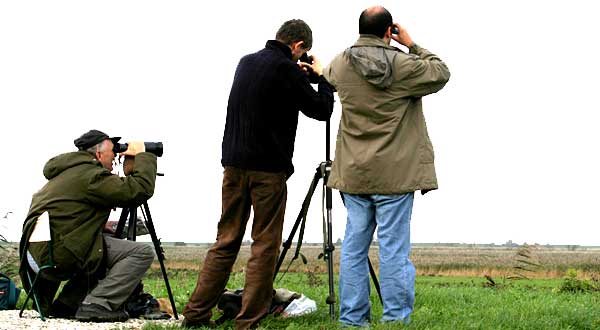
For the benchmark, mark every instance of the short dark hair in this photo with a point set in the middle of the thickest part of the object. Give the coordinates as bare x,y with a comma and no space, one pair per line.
375,21
295,30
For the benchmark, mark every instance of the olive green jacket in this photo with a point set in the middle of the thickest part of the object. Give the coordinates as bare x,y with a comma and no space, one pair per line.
382,144
78,197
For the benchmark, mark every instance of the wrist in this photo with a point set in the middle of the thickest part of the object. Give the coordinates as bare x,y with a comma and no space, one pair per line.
413,48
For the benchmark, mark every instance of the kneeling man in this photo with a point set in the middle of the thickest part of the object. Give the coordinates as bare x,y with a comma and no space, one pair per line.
102,271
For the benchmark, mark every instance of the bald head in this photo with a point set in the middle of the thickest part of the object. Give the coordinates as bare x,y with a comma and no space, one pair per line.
375,20
375,10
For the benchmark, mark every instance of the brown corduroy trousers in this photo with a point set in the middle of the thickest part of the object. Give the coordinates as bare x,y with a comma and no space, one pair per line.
266,193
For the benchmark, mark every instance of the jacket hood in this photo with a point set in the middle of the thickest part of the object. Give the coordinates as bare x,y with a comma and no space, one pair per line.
373,59
62,162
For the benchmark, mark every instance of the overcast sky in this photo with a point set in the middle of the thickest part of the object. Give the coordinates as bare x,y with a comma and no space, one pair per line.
514,131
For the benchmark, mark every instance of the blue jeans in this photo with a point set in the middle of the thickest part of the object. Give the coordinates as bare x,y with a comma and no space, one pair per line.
391,215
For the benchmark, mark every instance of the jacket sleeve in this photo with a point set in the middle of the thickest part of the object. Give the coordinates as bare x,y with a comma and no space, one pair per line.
314,104
111,190
423,72
328,74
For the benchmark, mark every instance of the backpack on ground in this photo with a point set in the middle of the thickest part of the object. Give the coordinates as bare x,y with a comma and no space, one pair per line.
230,303
9,293
143,305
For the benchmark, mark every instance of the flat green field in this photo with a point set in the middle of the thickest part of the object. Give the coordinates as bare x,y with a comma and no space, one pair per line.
528,288
457,287
441,303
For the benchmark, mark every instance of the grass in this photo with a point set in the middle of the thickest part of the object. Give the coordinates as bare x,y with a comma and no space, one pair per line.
563,292
445,303
441,303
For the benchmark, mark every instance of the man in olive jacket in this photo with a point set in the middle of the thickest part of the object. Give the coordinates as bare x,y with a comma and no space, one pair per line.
383,154
78,198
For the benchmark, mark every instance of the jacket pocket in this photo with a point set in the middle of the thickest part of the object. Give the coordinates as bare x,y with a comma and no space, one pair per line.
426,152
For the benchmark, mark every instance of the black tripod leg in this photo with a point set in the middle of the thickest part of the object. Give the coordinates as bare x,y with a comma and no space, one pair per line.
288,243
159,254
329,247
132,230
121,225
375,281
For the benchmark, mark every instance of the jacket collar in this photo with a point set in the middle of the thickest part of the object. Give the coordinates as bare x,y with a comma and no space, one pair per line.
274,44
371,40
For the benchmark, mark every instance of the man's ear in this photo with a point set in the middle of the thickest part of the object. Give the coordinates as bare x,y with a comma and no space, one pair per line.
388,33
297,44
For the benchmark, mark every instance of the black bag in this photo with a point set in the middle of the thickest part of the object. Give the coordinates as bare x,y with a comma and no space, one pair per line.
230,304
9,293
141,304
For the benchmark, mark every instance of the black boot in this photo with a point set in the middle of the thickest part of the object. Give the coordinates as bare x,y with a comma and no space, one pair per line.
61,310
97,313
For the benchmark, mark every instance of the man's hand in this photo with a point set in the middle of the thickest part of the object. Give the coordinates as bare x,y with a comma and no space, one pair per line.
402,37
316,66
128,164
110,226
134,148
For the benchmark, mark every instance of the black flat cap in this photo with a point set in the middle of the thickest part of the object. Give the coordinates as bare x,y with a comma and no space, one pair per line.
92,138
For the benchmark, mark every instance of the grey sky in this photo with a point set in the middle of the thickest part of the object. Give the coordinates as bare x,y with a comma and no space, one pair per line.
514,131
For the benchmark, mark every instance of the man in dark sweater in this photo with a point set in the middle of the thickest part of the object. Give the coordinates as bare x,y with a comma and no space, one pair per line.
269,89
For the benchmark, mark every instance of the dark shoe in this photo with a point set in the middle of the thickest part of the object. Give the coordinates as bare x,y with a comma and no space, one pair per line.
197,324
97,313
60,310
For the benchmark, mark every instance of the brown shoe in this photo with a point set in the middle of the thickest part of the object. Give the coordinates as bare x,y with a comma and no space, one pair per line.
197,324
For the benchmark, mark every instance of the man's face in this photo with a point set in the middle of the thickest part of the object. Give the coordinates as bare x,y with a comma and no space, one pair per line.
106,156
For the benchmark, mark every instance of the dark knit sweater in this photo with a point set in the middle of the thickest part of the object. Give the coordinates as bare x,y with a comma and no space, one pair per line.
262,114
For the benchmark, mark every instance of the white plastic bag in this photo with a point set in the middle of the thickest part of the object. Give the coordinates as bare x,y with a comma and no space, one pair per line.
300,306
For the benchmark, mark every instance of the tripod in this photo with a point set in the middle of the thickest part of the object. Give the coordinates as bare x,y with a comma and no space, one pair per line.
322,172
131,235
